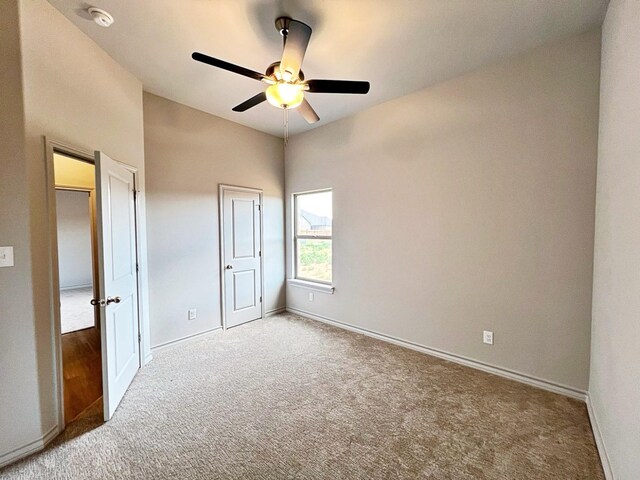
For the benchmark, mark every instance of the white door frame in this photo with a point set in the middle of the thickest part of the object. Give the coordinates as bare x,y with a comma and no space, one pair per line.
55,146
222,188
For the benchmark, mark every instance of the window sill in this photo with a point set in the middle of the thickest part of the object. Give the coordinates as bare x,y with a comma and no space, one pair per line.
318,287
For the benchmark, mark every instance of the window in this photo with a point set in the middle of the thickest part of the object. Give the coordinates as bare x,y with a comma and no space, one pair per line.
312,236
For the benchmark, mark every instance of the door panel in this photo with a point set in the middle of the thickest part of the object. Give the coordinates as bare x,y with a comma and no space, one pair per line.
241,230
118,279
125,335
121,226
244,288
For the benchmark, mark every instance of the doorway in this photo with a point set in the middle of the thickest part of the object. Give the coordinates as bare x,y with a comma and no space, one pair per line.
97,346
75,258
241,254
78,285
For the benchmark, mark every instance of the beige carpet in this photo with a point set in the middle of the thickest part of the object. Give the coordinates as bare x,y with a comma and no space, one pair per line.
76,311
286,398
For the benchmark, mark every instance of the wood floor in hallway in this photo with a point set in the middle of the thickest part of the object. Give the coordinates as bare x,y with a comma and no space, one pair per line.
82,370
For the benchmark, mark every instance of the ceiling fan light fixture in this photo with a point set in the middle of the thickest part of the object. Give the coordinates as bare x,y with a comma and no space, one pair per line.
285,95
286,82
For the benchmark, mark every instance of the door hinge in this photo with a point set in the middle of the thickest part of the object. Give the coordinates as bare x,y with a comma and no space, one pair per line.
259,207
135,194
259,253
137,267
139,337
261,299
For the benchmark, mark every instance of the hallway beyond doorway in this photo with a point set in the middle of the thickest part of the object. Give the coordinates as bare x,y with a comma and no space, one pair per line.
76,311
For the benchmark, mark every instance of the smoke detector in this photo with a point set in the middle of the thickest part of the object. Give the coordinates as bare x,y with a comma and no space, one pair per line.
102,18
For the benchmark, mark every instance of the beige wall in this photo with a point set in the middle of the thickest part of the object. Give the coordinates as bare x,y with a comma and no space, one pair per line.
188,153
468,206
484,185
74,224
70,172
73,221
614,388
76,93
19,413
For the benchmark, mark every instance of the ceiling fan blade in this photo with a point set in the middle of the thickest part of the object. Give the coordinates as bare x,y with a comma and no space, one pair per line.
307,112
252,102
338,86
215,62
295,46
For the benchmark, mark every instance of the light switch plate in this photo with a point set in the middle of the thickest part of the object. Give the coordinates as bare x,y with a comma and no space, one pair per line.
487,337
192,314
6,256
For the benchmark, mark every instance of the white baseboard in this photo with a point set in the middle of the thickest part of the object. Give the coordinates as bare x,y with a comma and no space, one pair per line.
468,362
73,287
201,334
597,435
188,338
28,448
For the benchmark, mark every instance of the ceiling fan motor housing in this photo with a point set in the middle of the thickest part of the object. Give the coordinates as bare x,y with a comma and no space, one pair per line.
271,69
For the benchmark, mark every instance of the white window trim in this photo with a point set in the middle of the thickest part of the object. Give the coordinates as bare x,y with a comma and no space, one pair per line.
311,285
318,285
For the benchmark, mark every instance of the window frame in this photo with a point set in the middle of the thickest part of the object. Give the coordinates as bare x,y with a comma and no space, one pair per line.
297,237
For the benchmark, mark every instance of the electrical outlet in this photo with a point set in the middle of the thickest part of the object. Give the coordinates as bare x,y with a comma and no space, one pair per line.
192,314
487,337
311,296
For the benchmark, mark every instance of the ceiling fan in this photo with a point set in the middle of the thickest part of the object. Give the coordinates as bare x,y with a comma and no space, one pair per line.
286,81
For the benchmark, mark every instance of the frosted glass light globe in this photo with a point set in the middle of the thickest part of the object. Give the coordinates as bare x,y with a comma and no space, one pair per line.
285,95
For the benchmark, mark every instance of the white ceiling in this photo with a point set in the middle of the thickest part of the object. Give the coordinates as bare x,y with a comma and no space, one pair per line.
400,46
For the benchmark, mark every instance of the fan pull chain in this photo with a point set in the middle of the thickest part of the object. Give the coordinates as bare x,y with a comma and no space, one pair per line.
286,125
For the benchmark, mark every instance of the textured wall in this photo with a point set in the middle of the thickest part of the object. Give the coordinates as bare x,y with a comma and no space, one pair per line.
74,220
19,417
70,172
468,206
62,70
74,238
614,388
188,153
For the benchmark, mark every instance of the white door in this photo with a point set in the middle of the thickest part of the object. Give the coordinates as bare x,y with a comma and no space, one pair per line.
118,279
241,255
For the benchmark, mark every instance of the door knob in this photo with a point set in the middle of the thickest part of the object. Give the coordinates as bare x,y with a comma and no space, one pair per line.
103,303
229,267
